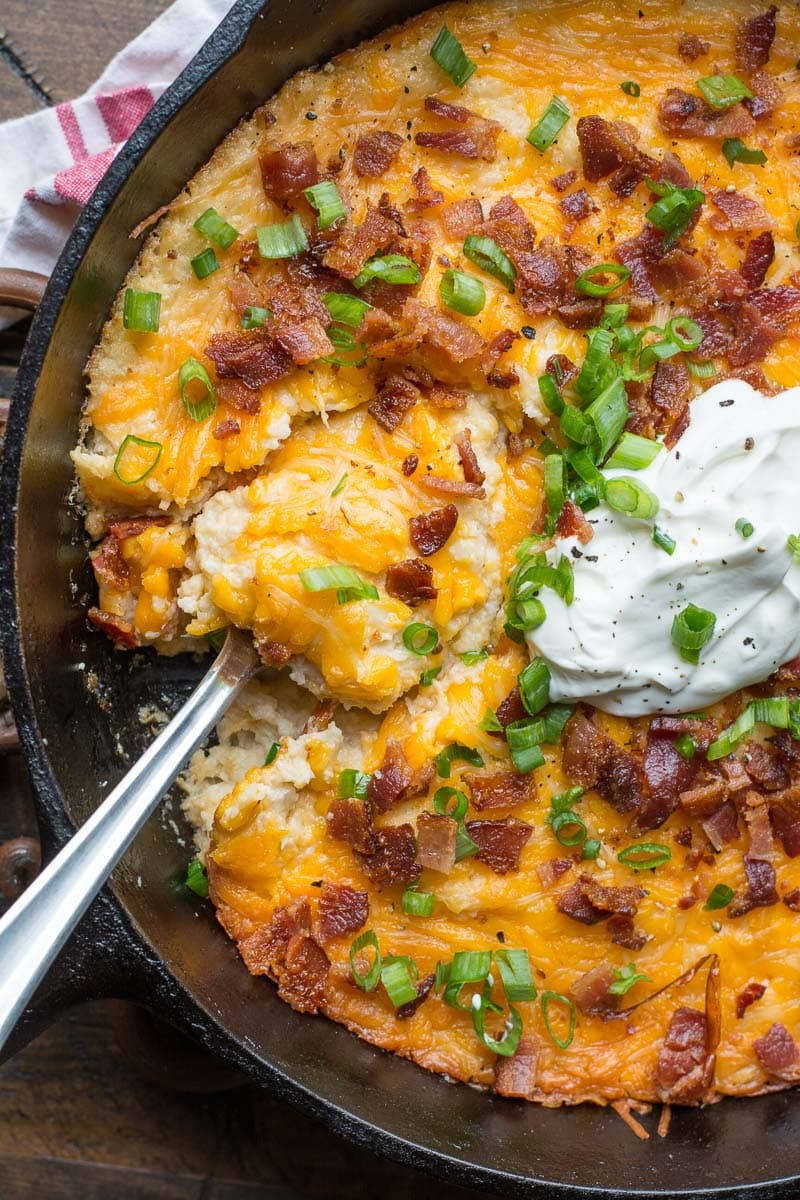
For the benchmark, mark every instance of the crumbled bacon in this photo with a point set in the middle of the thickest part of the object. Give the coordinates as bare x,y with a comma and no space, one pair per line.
562,369
590,992
436,842
739,212
690,47
671,390
285,950
321,717
468,458
564,181
734,774
238,396
341,909
767,95
705,799
350,820
515,1074
551,870
502,789
749,995
754,38
410,464
393,859
785,814
445,333
500,842
254,357
442,395
758,259
623,932
427,195
668,775
753,336
595,760
777,1052
452,487
423,988
273,654
766,767
411,581
285,172
304,342
577,206
760,891
461,217
792,900
133,526
511,708
431,530
588,901
226,429
394,398
109,565
120,630
685,1064
722,827
388,784
375,152
478,138
356,243
759,828
572,523
610,149
681,114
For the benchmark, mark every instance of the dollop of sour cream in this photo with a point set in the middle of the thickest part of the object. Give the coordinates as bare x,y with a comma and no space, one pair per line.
740,457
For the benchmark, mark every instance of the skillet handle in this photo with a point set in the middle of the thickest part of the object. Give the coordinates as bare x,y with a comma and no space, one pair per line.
21,289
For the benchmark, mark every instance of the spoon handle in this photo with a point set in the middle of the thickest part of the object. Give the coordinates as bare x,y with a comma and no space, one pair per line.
35,929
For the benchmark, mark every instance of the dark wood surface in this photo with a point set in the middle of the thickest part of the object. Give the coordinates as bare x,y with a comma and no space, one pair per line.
78,1118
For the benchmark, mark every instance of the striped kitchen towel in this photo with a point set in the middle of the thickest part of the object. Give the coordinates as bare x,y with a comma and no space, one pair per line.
54,159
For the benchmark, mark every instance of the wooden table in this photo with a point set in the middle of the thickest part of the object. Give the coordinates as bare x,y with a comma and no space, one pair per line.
77,1119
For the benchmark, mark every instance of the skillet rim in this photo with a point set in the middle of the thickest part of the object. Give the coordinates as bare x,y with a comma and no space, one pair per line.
109,920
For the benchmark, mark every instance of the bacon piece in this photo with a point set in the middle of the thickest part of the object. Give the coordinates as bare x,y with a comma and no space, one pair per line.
754,38
681,114
760,891
375,152
739,212
789,673
238,396
445,333
321,717
500,842
411,581
508,225
356,243
342,909
590,992
304,343
468,458
767,95
671,391
705,799
756,816
253,357
734,774
722,827
273,654
410,464
551,870
110,567
588,901
690,47
120,630
133,526
640,254
350,820
263,951
286,171
394,858
427,195
758,259
685,1063
754,336
750,994
561,182
511,709
777,1053
423,988
607,147
572,523
577,206
668,774
593,759
766,767
388,784
792,900
545,277
623,933
562,369
515,1075
285,950
226,429
452,487
780,306
430,530
436,842
785,813
717,333
461,218
395,397
244,293
672,169
478,138
502,789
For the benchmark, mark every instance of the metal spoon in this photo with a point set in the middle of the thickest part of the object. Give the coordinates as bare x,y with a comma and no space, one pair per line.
35,929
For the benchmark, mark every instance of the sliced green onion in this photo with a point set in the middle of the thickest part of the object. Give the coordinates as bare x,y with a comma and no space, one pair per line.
420,639
589,282
465,847
348,583
149,460
549,998
455,752
674,211
563,822
340,486
205,263
591,849
598,370
587,496
684,332
551,395
686,746
515,971
534,686
417,904
645,856
664,540
212,226
523,743
720,896
575,426
389,268
486,254
656,352
254,317
722,91
630,88
448,53
352,784
326,201
369,981
608,414
284,239
555,484
471,657
427,677
347,310
549,125
536,573
522,616
735,151
793,544
489,722
343,339
692,629
583,466
633,453
507,1044
441,803
631,497
396,978
141,311
468,966
625,978
774,710
272,754
463,293
201,408
730,738
701,370
744,527
614,316
545,729
565,800
197,878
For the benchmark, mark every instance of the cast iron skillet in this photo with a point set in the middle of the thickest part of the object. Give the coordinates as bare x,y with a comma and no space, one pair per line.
143,940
